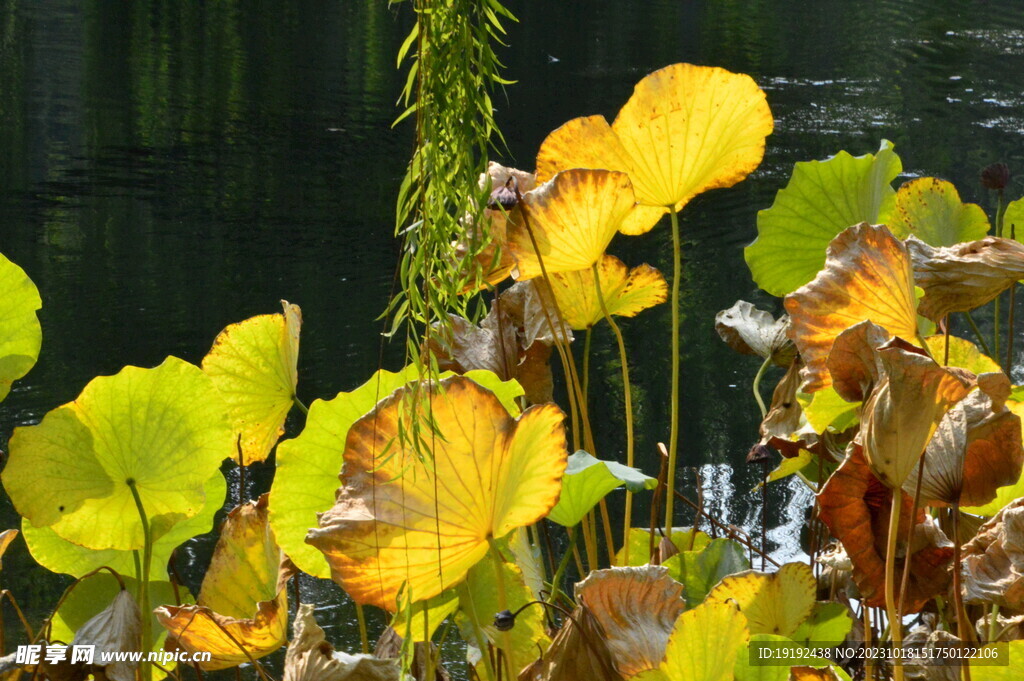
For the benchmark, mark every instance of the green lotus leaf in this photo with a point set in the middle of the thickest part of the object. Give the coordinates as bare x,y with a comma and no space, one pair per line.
777,670
165,430
1013,220
308,465
699,571
20,333
254,366
931,210
821,200
478,603
587,480
825,409
59,555
704,646
418,621
787,467
1012,656
684,538
93,594
962,353
828,623
775,603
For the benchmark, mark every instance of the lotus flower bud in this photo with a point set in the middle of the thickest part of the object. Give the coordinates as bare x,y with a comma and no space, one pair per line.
504,620
758,454
502,197
995,176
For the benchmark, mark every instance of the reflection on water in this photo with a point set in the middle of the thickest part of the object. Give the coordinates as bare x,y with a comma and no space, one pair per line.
167,168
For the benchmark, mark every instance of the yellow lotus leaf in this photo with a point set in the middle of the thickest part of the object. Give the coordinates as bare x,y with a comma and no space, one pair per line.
6,537
242,598
772,603
572,218
931,210
801,673
20,333
164,430
626,292
686,129
627,613
867,276
400,518
703,646
964,276
962,353
254,366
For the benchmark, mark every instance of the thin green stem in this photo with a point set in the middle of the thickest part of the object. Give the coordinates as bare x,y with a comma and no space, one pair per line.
147,560
586,363
673,438
364,638
628,398
993,623
1000,211
300,406
895,626
757,386
506,636
977,333
556,581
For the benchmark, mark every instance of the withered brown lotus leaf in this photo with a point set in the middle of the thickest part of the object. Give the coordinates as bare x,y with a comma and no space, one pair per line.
750,331
784,427
311,658
802,673
628,613
242,601
904,409
993,562
855,505
975,450
867,276
117,629
965,276
853,362
930,666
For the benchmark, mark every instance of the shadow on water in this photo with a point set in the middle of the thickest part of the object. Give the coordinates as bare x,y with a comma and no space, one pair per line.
167,168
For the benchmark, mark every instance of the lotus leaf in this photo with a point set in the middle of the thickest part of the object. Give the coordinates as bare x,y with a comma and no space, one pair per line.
828,623
587,480
962,353
254,366
785,426
976,449
993,562
572,218
931,210
165,430
745,671
243,601
479,601
772,603
1013,219
787,467
822,199
750,331
704,645
6,537
964,276
311,658
1013,670
116,629
308,465
60,555
626,292
683,538
685,130
867,276
855,505
824,673
399,519
701,570
419,620
1004,495
94,595
826,410
20,333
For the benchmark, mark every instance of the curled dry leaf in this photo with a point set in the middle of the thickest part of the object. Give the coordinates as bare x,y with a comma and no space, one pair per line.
401,520
867,276
930,666
568,221
117,629
975,450
626,292
750,331
685,130
784,427
993,562
311,658
242,609
855,505
6,537
964,276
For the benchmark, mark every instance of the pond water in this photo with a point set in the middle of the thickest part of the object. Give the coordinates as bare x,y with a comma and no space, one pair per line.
168,168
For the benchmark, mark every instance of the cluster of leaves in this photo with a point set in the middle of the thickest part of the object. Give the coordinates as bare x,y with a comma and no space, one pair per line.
911,439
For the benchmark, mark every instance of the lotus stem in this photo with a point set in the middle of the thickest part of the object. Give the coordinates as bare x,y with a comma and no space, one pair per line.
628,397
977,333
869,663
757,386
1009,329
590,540
993,623
609,540
673,438
910,530
1000,212
17,611
364,638
506,637
586,364
895,626
556,581
300,406
147,559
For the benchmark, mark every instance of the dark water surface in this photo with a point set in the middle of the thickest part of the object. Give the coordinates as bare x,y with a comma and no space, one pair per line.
168,168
